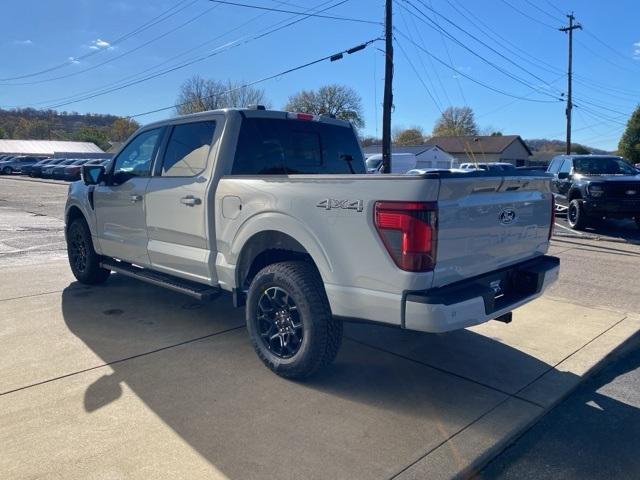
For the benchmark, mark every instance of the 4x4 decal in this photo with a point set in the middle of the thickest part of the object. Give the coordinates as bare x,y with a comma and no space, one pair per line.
331,203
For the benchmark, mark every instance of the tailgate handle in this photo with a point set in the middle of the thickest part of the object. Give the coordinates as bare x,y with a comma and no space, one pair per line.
190,201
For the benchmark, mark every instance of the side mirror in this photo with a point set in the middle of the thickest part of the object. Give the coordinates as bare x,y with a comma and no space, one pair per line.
92,174
563,175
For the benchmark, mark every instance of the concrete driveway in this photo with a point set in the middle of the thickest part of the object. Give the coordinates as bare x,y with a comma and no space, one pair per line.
126,380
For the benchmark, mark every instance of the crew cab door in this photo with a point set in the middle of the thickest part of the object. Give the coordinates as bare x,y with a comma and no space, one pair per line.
177,211
119,202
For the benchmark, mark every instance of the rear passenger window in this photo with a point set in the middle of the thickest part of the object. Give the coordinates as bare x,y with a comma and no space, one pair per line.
188,149
269,146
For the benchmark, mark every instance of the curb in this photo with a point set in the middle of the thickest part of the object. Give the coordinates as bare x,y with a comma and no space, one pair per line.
471,471
35,180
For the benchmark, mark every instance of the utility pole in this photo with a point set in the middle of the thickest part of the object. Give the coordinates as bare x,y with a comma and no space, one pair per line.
388,91
570,30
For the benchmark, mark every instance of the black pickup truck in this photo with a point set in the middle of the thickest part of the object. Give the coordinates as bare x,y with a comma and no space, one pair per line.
594,187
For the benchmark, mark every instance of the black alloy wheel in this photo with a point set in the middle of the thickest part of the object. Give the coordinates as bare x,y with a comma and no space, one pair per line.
279,323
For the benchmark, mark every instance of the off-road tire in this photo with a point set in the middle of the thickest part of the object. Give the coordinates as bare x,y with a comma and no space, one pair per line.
83,259
322,334
576,216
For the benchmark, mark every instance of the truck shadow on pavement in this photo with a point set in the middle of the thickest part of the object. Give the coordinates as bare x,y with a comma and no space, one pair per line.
391,396
593,434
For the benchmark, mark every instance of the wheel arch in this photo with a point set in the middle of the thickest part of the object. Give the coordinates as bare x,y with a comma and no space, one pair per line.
574,193
265,248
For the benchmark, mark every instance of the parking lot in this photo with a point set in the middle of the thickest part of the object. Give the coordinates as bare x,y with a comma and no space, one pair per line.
126,380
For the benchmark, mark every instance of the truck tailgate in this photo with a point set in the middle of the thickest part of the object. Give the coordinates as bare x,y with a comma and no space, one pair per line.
486,223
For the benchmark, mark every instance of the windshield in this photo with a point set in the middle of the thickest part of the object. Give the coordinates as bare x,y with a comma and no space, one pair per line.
603,166
373,163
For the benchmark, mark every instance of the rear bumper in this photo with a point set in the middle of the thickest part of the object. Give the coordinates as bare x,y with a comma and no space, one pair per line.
613,208
479,299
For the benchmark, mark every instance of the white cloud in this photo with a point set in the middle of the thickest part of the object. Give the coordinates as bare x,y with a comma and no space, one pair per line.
636,51
99,44
23,42
74,60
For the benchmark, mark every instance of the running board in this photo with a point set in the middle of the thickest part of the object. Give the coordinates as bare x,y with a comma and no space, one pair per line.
193,289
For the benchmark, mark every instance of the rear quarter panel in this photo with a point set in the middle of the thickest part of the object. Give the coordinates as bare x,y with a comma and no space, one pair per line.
343,242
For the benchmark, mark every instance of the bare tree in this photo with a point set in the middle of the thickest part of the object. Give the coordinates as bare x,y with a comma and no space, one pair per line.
198,94
339,100
456,121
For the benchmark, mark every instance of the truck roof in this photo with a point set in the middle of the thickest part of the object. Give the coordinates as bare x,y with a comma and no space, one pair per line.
253,112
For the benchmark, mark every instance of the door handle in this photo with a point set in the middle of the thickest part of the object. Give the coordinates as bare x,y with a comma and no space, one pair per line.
190,201
135,198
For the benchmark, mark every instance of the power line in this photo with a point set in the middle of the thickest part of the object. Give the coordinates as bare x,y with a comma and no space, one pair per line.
597,39
117,57
434,69
474,80
432,90
154,21
552,17
192,61
448,52
426,89
554,7
525,14
182,54
333,57
271,9
473,52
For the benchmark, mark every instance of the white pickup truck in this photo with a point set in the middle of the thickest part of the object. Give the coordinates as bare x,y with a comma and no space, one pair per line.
276,208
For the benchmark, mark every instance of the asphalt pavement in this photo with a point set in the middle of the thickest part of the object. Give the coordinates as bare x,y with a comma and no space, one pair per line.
594,434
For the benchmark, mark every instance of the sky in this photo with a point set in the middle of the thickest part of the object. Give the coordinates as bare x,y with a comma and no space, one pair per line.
506,59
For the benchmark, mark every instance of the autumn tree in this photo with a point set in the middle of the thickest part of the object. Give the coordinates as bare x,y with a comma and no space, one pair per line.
409,136
339,100
456,121
629,145
122,128
94,135
199,94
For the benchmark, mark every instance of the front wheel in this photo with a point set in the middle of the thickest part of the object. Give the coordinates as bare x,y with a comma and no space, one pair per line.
289,320
83,259
576,216
7,170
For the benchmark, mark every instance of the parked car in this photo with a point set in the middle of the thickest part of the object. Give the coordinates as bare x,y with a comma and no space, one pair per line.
400,162
276,208
593,187
491,166
47,170
58,171
16,164
72,171
36,170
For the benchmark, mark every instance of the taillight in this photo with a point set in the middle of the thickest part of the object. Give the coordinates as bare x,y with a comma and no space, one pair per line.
553,215
303,116
409,233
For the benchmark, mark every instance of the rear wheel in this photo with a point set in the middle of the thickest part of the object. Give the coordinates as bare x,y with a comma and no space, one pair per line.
289,320
7,170
576,216
83,259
